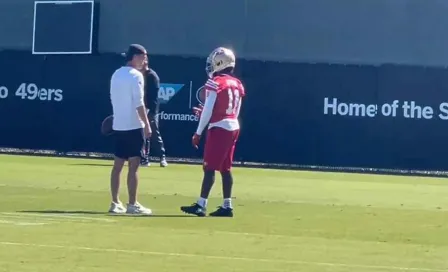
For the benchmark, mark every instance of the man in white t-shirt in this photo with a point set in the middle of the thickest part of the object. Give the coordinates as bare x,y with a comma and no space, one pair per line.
131,127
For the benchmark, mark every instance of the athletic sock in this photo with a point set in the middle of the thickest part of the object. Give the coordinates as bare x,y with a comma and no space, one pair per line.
227,203
202,202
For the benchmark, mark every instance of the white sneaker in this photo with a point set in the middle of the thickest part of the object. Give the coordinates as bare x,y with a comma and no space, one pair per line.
163,163
145,164
117,208
138,209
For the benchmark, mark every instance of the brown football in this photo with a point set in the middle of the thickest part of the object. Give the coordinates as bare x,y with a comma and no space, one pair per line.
106,125
200,95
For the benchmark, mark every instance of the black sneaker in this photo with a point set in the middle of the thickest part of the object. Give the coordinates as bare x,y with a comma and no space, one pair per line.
195,209
222,212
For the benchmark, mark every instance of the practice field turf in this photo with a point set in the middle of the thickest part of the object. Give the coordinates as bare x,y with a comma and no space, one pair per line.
52,219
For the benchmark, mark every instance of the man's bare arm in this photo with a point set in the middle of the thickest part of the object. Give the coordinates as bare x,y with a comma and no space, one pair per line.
142,113
138,96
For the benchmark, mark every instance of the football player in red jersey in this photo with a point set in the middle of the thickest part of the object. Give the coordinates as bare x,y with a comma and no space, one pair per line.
224,93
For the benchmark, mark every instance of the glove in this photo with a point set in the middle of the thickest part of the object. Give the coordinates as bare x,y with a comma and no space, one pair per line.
198,110
195,140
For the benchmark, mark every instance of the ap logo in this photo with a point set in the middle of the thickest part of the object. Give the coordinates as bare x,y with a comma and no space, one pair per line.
167,91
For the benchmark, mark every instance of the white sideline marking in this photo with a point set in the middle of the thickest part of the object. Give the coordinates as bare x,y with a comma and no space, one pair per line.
72,216
224,257
52,220
18,223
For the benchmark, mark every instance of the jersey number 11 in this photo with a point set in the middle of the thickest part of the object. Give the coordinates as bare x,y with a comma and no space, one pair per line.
234,98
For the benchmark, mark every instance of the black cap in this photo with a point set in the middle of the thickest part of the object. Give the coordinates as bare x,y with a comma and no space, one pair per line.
134,49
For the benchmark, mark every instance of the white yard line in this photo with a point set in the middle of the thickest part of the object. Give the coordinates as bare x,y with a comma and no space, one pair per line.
21,223
67,216
228,258
52,220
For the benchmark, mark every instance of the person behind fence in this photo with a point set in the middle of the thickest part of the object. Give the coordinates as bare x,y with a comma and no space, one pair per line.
223,98
131,127
152,86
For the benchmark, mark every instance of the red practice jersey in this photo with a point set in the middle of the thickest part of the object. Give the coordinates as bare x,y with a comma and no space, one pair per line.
230,92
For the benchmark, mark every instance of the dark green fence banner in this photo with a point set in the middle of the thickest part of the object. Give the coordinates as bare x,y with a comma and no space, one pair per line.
387,116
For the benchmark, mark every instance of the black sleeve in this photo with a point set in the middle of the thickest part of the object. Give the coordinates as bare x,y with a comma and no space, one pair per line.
152,90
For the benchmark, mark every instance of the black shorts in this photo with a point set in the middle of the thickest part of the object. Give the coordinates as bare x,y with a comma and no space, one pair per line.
128,143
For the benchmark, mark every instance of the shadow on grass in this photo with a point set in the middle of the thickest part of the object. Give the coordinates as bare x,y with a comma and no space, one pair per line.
60,212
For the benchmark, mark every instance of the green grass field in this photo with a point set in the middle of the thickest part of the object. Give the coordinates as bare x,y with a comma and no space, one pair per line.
52,219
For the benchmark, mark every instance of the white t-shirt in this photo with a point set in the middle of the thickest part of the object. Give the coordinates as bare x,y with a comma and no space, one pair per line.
126,94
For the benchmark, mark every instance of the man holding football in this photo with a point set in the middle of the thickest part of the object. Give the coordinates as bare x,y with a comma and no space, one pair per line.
131,127
224,93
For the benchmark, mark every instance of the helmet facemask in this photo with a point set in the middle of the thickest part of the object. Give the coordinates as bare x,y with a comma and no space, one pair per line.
209,69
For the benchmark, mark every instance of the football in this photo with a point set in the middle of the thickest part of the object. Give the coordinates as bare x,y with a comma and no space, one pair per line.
106,125
200,95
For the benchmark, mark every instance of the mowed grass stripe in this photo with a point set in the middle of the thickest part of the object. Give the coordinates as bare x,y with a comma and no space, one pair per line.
288,216
226,258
